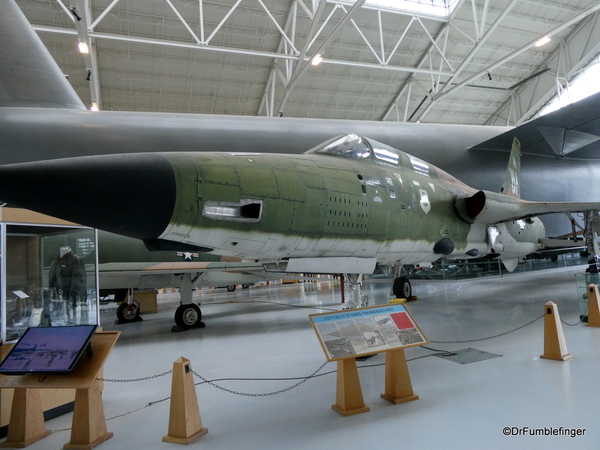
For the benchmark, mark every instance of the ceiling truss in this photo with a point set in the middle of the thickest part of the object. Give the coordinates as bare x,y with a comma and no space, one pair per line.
479,64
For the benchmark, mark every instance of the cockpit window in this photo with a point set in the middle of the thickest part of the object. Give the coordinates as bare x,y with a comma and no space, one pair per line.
384,152
349,145
419,165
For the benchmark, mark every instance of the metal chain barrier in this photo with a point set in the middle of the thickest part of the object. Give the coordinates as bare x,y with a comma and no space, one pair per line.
572,324
133,380
266,394
490,337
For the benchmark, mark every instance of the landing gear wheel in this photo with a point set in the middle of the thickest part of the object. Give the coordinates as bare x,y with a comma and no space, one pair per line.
402,288
127,313
188,316
231,287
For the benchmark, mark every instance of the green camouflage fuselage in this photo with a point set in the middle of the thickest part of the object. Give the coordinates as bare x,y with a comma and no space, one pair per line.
269,207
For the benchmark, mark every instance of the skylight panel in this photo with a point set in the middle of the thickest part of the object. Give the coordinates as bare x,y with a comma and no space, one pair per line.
441,8
580,87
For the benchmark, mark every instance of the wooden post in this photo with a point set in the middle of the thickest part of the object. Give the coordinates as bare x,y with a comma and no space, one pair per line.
185,425
89,424
555,346
26,419
398,388
593,306
349,398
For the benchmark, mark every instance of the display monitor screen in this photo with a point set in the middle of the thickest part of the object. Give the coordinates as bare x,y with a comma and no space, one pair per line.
47,350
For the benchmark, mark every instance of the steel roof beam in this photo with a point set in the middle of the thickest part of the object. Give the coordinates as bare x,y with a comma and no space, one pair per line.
422,60
573,20
565,62
81,17
304,66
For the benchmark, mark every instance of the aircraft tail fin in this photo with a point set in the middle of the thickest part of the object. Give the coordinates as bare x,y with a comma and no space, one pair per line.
29,76
512,182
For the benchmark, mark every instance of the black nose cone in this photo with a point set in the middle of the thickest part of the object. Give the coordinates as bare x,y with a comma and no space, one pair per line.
130,194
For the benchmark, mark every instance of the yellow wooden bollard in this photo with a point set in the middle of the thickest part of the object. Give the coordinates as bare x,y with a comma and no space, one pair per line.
555,346
185,425
593,306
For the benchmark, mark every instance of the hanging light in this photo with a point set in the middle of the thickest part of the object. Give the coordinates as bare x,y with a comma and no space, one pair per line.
317,59
83,47
543,41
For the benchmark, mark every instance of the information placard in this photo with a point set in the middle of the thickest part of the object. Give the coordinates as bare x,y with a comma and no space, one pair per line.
366,331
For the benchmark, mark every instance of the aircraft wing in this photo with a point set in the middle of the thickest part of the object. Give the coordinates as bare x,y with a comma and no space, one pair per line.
489,207
139,268
570,132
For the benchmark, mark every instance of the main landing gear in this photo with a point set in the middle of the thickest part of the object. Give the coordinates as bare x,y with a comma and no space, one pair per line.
128,310
402,288
188,314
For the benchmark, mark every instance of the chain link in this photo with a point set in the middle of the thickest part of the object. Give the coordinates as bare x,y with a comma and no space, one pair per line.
266,394
490,337
133,380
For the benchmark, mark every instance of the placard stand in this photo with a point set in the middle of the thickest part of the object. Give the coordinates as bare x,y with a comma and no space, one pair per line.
89,424
398,388
385,329
349,398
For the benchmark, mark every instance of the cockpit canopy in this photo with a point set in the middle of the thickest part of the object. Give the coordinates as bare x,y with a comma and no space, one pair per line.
354,146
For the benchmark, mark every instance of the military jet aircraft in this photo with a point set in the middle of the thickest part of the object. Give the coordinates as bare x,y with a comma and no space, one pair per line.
342,207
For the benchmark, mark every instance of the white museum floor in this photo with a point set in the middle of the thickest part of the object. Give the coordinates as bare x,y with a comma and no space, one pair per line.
264,332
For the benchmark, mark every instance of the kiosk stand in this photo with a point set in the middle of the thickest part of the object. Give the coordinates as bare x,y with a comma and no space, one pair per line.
26,419
89,424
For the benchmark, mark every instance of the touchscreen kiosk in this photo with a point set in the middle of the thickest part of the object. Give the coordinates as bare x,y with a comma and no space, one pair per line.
50,350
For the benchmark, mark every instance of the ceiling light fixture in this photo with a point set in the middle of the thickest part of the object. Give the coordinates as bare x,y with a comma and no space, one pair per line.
542,41
317,59
94,106
83,47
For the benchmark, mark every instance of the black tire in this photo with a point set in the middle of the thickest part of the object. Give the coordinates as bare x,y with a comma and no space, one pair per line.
231,287
402,288
128,313
188,316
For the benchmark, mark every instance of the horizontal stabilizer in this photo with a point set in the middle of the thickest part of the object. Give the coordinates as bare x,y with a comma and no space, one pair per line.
569,132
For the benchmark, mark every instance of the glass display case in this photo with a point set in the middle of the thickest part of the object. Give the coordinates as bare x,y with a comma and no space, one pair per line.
48,277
